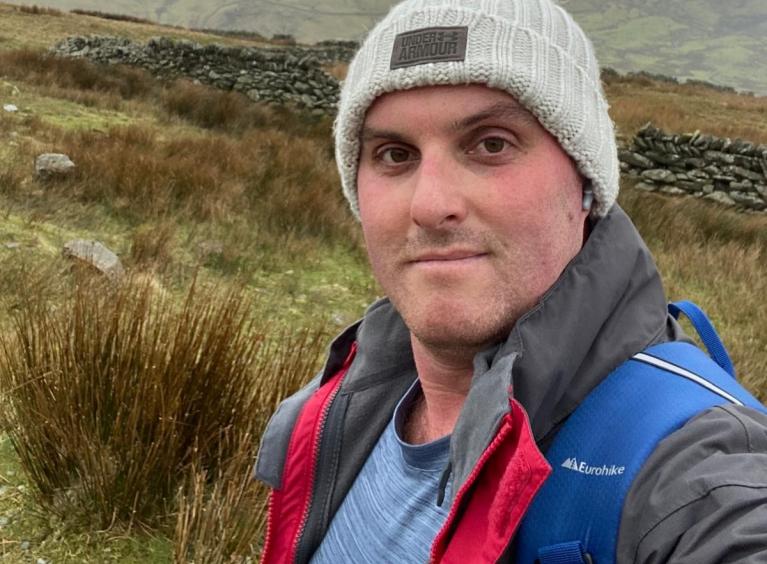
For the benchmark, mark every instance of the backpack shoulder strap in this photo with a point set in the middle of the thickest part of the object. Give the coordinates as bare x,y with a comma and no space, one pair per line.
599,451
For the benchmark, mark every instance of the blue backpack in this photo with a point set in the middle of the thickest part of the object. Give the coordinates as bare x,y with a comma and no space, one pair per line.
645,399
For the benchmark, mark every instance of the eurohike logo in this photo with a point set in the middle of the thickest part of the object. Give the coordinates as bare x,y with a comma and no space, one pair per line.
586,468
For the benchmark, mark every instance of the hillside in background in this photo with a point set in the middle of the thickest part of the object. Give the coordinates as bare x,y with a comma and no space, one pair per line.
719,42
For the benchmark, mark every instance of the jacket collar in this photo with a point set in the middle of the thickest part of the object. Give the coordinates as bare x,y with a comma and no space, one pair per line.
607,305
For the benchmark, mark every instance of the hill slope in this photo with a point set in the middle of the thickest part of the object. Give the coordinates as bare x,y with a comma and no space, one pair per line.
701,39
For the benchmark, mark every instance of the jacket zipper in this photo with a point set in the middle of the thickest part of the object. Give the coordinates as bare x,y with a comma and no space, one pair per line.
534,465
315,456
268,536
497,440
315,460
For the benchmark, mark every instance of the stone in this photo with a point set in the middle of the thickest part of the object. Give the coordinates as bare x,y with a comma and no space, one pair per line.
718,156
12,245
735,170
95,255
10,108
761,189
659,175
744,186
712,170
635,159
699,174
211,248
720,197
648,130
672,190
689,186
693,162
646,186
746,162
750,201
665,158
702,142
741,147
51,165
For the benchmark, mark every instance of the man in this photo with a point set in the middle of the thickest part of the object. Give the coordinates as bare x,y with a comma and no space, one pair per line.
474,144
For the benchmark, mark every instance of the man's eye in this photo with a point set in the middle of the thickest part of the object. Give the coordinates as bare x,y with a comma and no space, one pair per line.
493,144
394,155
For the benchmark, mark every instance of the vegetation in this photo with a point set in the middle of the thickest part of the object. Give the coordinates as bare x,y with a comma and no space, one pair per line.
119,400
111,16
131,412
698,39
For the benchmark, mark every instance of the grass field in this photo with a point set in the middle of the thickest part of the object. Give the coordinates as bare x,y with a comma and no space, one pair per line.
229,219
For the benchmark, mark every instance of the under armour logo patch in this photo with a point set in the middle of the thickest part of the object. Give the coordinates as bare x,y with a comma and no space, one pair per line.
429,45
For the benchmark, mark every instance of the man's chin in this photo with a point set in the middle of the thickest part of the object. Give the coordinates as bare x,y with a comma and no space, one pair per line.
449,332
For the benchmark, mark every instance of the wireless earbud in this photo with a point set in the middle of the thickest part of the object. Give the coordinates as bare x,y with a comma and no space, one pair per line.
588,197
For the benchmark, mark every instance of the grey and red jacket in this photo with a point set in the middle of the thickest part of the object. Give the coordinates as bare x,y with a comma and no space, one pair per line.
700,498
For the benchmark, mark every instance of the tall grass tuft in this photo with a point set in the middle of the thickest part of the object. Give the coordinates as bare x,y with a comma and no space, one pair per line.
152,244
288,184
118,397
111,16
36,10
221,516
45,69
232,112
212,109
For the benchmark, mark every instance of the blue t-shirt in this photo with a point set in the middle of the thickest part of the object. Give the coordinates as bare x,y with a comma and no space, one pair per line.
390,514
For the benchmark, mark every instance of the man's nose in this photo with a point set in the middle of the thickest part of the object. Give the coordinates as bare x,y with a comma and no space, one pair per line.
438,198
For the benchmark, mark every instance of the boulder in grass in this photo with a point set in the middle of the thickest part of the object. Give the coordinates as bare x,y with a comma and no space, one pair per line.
95,255
53,165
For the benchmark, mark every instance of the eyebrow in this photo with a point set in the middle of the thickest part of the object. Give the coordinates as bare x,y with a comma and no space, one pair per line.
500,110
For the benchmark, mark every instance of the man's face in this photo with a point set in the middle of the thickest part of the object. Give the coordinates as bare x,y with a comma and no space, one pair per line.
469,208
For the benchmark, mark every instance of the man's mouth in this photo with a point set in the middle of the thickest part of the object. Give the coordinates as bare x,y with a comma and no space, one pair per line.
447,255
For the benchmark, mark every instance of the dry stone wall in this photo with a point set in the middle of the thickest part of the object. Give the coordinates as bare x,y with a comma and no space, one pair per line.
719,169
279,76
729,172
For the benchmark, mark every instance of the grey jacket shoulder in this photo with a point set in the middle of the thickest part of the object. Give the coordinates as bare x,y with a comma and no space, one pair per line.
701,497
274,442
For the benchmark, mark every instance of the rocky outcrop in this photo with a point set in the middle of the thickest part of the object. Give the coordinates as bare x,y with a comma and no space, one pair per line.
285,75
53,165
719,169
95,255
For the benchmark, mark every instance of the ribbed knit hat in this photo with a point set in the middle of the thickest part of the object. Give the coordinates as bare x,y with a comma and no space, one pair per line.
531,49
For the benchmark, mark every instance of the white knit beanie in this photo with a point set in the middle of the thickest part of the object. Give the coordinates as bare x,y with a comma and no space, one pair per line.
531,49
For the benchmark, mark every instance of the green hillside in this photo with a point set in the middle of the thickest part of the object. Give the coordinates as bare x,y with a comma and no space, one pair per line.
719,42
